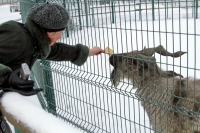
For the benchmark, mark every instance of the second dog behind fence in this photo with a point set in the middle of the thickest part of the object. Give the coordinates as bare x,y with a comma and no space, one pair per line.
171,101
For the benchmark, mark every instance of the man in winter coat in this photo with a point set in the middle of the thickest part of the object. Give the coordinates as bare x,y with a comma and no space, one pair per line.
36,39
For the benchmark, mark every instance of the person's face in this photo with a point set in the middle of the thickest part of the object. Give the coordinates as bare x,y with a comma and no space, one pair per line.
54,36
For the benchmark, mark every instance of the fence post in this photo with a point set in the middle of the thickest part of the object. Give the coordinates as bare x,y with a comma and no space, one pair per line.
153,15
113,12
86,13
10,9
16,130
140,11
79,14
196,9
166,9
24,7
193,10
49,91
93,21
66,30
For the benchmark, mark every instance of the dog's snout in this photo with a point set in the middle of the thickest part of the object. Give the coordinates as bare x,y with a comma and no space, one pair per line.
114,59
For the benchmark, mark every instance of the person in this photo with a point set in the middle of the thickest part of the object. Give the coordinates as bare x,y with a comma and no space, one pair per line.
36,39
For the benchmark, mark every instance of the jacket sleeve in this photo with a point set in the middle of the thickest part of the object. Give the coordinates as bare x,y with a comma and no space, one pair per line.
12,45
77,54
8,53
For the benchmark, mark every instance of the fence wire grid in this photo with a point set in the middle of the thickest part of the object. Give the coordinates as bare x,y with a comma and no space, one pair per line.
2,2
151,82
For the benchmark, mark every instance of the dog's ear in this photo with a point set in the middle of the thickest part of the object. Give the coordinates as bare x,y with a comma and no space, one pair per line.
115,77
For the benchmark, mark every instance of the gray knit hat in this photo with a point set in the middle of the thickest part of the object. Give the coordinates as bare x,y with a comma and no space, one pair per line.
50,16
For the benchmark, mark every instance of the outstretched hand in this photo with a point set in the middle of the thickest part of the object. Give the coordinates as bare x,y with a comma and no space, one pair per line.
95,51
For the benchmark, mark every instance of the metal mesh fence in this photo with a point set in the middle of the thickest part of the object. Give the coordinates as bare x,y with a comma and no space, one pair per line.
149,94
8,1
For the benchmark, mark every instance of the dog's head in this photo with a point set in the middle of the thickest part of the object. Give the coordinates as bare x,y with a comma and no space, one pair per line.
138,66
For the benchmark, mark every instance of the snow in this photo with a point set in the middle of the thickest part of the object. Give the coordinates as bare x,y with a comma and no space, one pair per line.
5,14
33,117
105,104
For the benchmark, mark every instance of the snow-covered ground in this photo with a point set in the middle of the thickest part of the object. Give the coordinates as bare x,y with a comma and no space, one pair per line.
6,15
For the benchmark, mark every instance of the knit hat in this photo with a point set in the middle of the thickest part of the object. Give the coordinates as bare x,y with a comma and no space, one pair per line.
50,16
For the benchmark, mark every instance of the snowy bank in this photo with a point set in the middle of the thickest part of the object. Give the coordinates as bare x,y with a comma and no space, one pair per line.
29,118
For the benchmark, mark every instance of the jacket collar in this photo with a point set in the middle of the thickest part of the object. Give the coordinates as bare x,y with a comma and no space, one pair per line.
40,37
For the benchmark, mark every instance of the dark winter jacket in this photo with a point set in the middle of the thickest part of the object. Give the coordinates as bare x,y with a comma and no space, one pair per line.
21,43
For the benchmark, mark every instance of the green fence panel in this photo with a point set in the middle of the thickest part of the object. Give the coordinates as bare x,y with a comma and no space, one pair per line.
49,90
25,5
17,131
41,74
154,100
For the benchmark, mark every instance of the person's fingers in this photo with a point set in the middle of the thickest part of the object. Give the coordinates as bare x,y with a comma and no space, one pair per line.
99,53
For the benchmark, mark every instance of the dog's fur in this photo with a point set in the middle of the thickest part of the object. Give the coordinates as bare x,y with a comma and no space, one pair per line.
171,101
